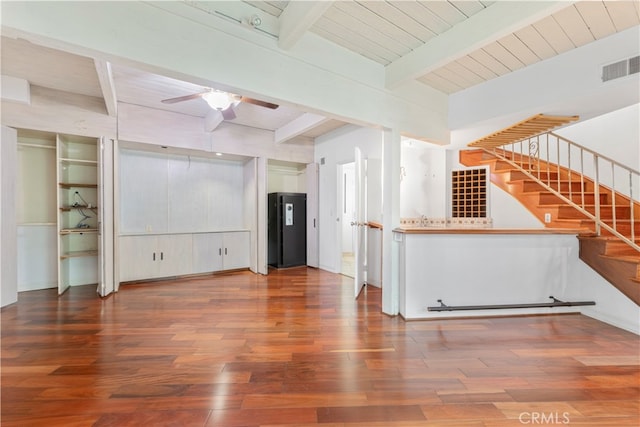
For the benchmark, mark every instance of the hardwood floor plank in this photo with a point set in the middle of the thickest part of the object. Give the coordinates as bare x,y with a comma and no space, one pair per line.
295,348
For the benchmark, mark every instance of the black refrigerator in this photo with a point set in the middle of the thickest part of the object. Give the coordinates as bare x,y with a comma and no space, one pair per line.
287,229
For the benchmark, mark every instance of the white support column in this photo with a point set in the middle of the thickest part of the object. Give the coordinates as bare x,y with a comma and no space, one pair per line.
390,220
262,215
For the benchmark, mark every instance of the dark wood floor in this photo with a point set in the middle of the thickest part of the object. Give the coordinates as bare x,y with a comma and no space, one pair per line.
296,349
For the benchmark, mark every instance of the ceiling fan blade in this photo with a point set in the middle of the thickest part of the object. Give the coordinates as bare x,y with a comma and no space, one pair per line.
228,113
184,98
258,102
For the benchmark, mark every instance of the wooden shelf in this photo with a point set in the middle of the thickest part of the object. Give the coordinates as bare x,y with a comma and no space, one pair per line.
69,185
77,254
78,230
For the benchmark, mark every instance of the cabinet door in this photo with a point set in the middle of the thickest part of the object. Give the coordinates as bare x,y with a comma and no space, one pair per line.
236,250
207,252
137,258
174,255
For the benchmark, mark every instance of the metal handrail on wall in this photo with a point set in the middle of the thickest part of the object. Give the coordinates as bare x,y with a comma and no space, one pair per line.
572,172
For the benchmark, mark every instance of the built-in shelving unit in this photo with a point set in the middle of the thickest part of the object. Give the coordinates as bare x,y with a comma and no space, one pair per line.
469,193
78,223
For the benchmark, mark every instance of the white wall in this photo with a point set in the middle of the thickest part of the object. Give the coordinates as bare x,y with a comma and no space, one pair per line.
507,212
423,180
336,148
171,193
615,135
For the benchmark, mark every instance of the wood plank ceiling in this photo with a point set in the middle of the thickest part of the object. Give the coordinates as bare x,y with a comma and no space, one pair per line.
385,31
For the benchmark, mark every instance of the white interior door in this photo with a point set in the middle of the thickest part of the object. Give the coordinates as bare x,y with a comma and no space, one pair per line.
106,232
359,224
313,258
63,284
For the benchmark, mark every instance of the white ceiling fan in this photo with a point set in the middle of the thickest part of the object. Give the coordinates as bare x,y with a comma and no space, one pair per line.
221,101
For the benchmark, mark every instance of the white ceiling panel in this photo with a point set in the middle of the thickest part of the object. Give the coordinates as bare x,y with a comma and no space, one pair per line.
624,14
472,64
489,62
379,23
574,26
504,56
596,17
534,41
388,11
446,11
554,34
420,13
340,17
346,37
518,49
469,8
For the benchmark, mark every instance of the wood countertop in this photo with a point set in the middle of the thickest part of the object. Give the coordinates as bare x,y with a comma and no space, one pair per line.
424,230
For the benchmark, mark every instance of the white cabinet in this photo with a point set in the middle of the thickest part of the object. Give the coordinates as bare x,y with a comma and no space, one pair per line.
154,256
207,252
236,250
220,251
166,255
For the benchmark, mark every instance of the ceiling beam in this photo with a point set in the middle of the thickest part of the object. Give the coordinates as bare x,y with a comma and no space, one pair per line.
486,26
297,18
105,77
298,126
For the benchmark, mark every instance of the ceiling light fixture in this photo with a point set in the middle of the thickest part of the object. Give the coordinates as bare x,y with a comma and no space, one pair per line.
218,100
255,21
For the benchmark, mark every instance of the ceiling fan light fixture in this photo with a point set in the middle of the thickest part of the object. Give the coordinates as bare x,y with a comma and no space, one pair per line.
218,100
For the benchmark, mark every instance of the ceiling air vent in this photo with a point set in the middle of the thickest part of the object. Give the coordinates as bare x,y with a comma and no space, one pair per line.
621,69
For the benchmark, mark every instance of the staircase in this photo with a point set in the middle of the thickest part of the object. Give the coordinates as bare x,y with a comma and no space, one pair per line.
607,222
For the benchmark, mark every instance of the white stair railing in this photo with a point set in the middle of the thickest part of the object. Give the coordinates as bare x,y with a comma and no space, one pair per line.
582,178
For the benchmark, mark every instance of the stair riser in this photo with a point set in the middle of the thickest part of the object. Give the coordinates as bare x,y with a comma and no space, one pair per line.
515,175
589,199
617,248
529,186
606,212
